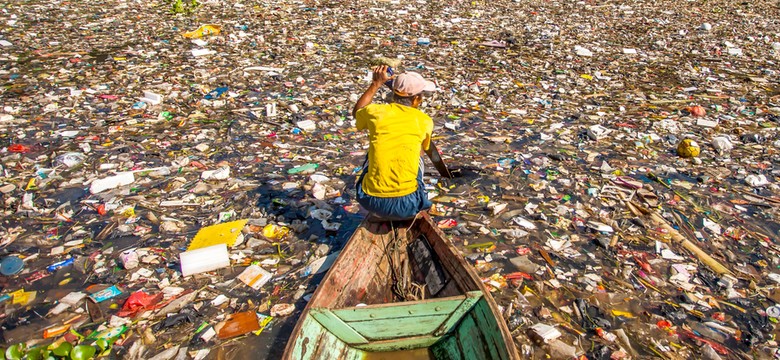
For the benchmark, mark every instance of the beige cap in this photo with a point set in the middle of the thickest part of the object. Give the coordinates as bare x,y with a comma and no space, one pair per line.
411,84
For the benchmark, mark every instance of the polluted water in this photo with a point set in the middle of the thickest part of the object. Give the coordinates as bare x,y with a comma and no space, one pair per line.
177,176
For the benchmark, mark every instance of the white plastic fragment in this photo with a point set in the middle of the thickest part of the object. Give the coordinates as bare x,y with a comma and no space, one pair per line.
219,300
202,52
525,223
321,214
722,144
598,132
320,265
112,182
545,333
756,180
707,123
600,227
204,259
255,277
152,98
306,125
581,51
220,174
270,110
735,51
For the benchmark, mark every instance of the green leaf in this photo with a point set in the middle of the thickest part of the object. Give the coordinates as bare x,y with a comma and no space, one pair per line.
2,354
35,353
82,352
15,352
63,350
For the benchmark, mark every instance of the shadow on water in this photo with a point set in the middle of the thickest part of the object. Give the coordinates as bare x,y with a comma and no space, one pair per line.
271,342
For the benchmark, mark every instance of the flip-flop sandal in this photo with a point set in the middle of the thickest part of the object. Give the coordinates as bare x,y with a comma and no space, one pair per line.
627,182
494,43
649,197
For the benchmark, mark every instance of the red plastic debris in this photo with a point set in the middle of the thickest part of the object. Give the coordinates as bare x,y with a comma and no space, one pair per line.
663,324
137,302
18,148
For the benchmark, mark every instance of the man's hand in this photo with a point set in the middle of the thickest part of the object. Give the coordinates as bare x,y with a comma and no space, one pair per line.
379,78
380,75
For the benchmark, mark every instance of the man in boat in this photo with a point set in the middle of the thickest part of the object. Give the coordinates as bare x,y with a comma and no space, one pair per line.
391,185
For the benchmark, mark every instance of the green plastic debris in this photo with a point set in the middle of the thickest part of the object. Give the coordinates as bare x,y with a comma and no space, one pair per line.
303,168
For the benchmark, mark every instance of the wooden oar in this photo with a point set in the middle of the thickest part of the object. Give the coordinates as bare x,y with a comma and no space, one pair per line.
438,162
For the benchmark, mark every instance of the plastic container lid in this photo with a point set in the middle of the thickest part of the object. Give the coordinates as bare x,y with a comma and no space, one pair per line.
11,265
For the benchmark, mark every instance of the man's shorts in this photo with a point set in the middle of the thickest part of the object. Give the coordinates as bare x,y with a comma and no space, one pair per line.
394,208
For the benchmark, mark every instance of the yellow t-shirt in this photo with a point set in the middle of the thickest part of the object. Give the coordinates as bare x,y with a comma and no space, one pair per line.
396,135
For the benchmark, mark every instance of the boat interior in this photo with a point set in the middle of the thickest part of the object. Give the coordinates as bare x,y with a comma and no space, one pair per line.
399,290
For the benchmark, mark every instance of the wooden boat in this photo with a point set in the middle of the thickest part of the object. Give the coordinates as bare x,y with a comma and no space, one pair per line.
400,290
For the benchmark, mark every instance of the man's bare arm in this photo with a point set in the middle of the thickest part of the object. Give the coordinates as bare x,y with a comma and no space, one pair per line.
379,78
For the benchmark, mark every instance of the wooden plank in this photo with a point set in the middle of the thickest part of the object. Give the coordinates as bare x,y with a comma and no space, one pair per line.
340,275
400,344
377,292
345,286
447,348
400,327
463,308
469,340
438,162
328,345
314,342
354,354
379,289
337,327
367,260
442,306
304,344
486,322
300,344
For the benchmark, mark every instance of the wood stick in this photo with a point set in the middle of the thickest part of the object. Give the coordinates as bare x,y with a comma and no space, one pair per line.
690,246
679,238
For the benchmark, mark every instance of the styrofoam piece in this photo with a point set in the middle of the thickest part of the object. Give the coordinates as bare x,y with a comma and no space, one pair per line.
152,98
307,125
111,182
204,259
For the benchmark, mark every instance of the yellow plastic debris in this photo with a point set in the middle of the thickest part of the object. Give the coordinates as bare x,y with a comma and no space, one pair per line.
688,148
275,232
622,313
202,31
31,185
226,233
24,298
